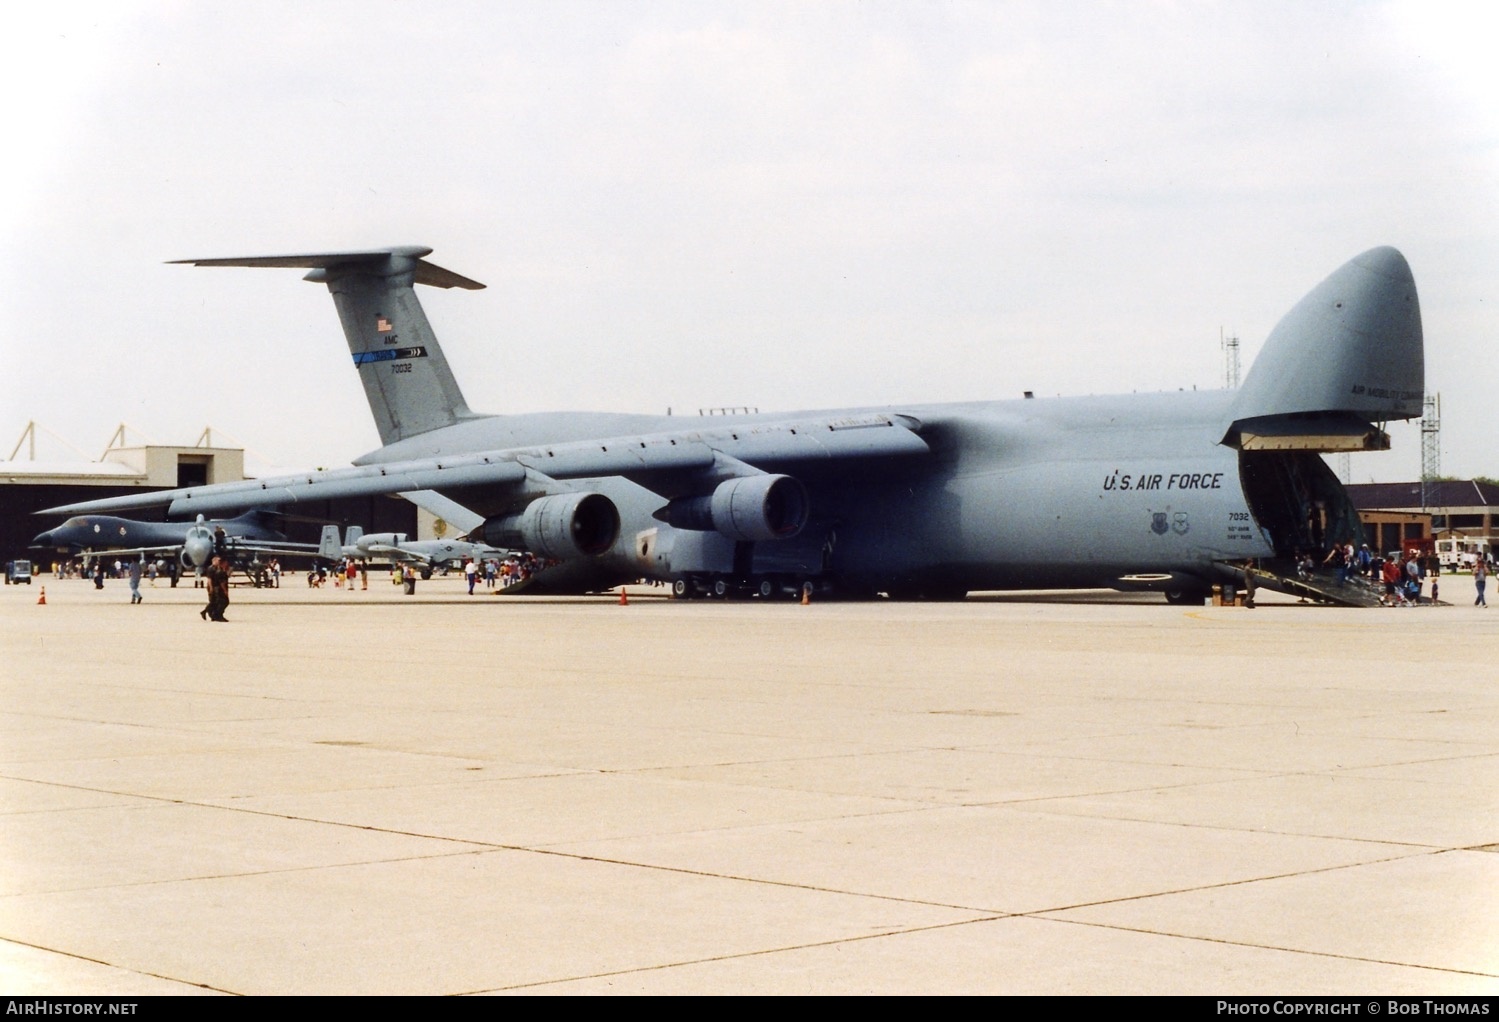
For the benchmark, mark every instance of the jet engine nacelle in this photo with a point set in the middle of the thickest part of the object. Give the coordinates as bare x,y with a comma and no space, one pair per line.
563,526
747,509
370,540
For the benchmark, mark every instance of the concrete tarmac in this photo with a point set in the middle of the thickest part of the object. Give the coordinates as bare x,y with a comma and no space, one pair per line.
368,793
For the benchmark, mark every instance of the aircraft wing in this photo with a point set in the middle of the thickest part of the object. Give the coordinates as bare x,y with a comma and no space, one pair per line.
232,546
361,481
394,553
671,464
100,551
236,545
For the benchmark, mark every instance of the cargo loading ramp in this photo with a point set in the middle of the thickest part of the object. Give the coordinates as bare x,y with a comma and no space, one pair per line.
1356,592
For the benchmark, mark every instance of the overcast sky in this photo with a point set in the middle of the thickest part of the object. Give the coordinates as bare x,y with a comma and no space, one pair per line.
781,205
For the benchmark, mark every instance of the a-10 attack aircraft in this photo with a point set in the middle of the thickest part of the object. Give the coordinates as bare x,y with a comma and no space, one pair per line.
188,545
397,549
1169,491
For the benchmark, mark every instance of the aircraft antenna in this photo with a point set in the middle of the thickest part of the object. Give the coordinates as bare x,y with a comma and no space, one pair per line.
1431,448
1230,346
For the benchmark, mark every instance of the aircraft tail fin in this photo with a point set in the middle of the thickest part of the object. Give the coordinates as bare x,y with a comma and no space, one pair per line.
267,519
328,546
353,534
1348,354
408,383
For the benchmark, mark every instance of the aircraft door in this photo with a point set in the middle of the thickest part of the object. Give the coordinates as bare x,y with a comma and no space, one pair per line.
1297,501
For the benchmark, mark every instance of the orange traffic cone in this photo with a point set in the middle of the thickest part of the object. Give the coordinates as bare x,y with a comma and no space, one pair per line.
42,599
624,600
806,594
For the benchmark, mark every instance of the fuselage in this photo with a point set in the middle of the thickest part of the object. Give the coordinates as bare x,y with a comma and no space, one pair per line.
396,547
107,532
1088,491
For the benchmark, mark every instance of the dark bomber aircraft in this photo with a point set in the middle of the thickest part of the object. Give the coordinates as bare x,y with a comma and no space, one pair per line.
190,544
1156,491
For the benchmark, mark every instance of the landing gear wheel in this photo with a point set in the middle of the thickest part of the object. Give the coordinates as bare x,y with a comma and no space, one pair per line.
682,589
766,589
720,588
1189,597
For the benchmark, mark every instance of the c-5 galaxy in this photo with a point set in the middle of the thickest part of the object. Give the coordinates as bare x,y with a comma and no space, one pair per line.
1169,491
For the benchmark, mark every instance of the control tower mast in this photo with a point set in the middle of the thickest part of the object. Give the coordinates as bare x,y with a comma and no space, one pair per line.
1230,346
1431,447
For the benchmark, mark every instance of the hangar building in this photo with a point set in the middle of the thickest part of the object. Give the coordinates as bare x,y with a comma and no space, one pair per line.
1464,515
28,485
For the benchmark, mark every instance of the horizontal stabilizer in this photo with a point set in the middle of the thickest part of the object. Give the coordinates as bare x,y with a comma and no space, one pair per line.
382,261
410,387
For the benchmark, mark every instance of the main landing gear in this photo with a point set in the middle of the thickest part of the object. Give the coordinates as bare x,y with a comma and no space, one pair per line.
1190,597
727,587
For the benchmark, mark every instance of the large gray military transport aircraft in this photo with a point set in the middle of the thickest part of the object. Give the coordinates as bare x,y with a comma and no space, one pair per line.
1170,492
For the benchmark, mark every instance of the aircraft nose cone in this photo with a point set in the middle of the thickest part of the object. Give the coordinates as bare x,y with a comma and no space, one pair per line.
1353,344
43,540
1387,262
197,549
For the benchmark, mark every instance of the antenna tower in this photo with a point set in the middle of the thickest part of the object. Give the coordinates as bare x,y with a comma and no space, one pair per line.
1230,346
1431,447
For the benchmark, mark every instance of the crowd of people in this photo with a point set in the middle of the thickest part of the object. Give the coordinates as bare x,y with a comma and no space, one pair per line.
1401,575
492,573
513,570
98,568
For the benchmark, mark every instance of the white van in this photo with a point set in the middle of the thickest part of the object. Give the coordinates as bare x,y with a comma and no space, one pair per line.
1460,554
